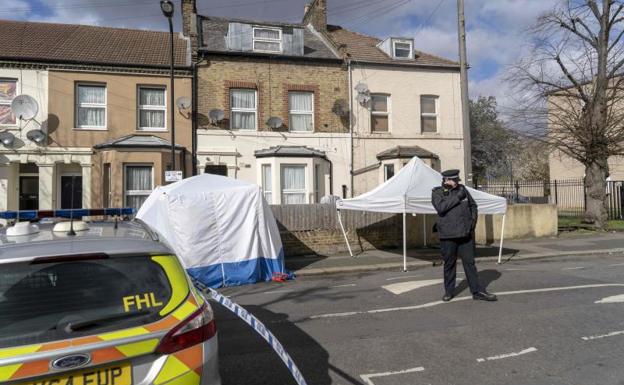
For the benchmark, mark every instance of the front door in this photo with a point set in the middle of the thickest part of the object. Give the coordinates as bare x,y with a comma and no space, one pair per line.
29,193
71,191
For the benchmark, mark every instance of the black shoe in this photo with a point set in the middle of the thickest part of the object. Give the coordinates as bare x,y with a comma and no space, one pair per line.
447,297
484,296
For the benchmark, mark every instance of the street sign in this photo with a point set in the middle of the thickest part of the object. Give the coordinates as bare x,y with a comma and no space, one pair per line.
173,176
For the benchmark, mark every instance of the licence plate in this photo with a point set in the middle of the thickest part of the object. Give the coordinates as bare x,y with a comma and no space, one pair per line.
108,375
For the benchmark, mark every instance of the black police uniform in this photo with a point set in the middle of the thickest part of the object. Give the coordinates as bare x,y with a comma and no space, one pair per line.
457,219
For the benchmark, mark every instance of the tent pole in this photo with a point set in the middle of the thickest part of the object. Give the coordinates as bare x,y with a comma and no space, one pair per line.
500,247
425,230
344,232
404,244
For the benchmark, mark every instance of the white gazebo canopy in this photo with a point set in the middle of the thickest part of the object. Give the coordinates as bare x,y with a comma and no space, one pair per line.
409,192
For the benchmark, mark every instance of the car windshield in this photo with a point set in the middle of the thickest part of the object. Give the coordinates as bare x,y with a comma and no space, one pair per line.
42,302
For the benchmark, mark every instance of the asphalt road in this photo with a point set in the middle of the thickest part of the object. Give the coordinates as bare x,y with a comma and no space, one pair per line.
388,328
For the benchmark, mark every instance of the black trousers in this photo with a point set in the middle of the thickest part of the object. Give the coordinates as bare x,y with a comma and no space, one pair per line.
465,247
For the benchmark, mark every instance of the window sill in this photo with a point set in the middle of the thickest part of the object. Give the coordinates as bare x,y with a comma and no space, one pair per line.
150,130
90,128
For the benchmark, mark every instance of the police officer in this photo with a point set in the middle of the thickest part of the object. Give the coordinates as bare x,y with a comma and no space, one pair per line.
457,219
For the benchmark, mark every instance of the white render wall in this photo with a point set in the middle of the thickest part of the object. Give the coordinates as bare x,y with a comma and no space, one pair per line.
236,150
51,162
405,85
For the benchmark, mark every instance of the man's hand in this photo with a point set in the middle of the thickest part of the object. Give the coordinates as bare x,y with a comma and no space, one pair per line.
461,193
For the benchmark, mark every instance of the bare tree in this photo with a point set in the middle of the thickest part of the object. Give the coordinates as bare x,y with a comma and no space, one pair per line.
570,89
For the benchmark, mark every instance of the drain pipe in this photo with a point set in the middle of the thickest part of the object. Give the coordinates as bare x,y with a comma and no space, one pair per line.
349,68
194,121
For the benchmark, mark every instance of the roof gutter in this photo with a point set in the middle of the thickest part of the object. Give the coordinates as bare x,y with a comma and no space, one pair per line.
268,56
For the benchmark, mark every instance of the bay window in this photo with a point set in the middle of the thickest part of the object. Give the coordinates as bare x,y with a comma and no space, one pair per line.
138,184
293,184
267,183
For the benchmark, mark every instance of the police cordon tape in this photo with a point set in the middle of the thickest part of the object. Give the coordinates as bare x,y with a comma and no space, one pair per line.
258,327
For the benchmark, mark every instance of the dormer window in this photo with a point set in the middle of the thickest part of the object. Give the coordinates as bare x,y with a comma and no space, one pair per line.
267,39
402,49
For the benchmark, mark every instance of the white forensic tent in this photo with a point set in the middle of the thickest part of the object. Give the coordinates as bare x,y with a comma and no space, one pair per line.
222,229
409,192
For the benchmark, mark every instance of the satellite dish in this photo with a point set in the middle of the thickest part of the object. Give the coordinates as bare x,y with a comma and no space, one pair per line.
361,88
341,108
25,107
216,115
363,99
275,122
7,138
36,136
183,103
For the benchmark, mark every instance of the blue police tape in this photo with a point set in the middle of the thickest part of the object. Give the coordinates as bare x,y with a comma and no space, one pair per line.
259,328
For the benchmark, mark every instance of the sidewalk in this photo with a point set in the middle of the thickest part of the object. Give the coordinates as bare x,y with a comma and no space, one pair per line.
564,245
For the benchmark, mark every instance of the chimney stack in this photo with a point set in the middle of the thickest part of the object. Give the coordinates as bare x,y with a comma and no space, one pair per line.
316,14
189,25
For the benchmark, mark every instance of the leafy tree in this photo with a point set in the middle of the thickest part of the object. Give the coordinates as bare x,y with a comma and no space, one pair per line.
570,89
492,143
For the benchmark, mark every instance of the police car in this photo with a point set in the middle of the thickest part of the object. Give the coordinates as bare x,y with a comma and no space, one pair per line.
99,303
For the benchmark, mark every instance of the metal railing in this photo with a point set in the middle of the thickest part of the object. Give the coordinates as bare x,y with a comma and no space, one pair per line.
569,195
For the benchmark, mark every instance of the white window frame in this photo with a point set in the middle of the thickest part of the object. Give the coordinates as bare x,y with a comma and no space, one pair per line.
79,105
268,186
8,102
386,166
429,114
267,40
305,191
381,113
254,110
299,112
399,41
149,107
127,193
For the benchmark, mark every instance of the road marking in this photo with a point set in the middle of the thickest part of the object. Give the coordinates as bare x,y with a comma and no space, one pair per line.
508,355
436,303
573,268
367,377
603,335
277,292
616,264
612,299
404,287
403,277
349,285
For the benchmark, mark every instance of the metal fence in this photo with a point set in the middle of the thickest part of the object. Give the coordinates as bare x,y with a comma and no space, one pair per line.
568,195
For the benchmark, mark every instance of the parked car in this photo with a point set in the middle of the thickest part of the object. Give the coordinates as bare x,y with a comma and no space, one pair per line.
110,305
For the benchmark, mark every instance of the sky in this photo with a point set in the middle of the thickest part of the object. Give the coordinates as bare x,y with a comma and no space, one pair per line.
496,29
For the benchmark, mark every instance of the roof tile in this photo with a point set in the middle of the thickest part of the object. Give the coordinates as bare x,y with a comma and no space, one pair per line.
30,41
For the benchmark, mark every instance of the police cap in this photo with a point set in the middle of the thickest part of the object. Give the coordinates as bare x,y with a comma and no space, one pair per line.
451,174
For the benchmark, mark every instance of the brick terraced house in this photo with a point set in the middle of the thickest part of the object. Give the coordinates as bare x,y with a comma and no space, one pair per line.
103,116
309,109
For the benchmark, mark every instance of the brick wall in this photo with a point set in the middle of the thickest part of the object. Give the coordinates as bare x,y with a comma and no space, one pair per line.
273,79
